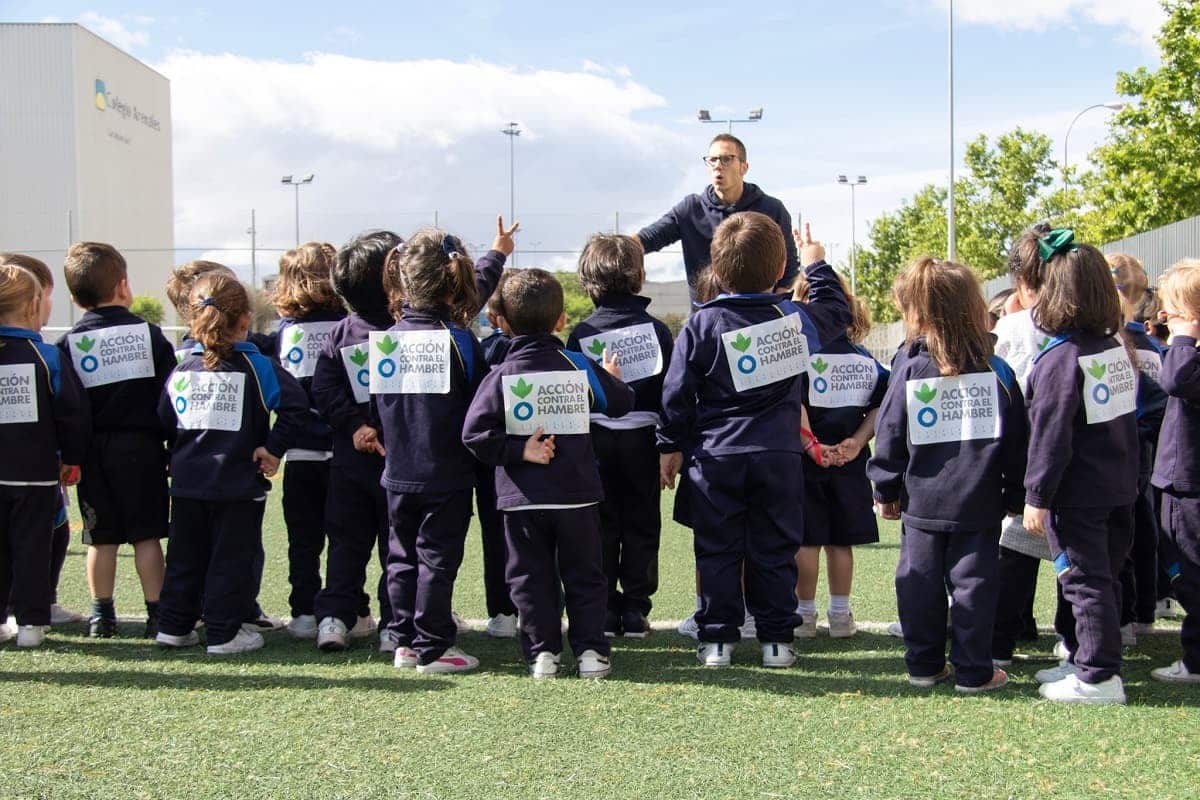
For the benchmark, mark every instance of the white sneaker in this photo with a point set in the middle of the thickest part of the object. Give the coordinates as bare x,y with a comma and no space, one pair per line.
404,658
999,681
31,635
841,626
244,642
1002,662
331,635
778,655
502,626
459,622
1060,650
388,640
189,639
1128,636
749,629
689,627
715,654
364,627
1176,673
8,632
895,629
929,681
1143,627
593,665
1054,674
303,627
806,629
1168,608
545,665
265,623
63,616
453,660
1072,690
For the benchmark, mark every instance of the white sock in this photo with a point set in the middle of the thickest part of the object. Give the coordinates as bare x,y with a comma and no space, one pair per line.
699,602
839,604
807,608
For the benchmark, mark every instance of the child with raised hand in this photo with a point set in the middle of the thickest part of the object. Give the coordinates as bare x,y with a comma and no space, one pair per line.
611,271
845,387
530,419
732,398
1176,465
1081,396
216,409
424,372
44,432
949,458
122,361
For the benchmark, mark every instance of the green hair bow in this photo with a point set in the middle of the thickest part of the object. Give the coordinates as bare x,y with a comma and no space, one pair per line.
1059,240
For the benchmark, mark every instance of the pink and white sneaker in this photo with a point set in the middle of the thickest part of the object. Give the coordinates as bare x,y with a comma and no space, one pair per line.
453,660
404,657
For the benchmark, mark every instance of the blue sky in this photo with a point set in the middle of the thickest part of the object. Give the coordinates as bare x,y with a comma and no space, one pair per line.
398,108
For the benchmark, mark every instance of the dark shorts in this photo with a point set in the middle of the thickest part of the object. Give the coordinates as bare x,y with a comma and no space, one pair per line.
123,489
838,506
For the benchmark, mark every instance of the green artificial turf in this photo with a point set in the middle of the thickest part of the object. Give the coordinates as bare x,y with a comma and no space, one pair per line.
122,719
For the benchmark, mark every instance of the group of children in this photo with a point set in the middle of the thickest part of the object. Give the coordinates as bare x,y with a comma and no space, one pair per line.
396,422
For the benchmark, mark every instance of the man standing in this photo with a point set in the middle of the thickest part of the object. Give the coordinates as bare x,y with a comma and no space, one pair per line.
695,218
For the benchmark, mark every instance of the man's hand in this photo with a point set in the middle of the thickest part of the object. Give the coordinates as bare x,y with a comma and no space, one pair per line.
267,464
366,440
537,449
669,465
810,251
504,238
1035,520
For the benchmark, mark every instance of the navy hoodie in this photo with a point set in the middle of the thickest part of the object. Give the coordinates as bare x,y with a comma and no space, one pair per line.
296,344
1177,464
422,433
1072,463
107,344
695,218
571,477
495,347
216,419
851,370
44,414
613,312
704,413
946,483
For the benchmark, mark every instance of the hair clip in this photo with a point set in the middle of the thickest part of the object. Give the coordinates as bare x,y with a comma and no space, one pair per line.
207,303
1059,240
448,246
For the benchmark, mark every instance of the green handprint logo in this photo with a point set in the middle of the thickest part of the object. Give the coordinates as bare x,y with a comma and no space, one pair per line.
297,334
521,388
358,357
387,345
820,365
1097,370
742,343
926,393
181,383
86,343
597,347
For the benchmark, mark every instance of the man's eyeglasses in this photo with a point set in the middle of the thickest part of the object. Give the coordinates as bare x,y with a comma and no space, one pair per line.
724,161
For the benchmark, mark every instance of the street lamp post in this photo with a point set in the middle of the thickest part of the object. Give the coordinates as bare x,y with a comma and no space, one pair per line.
861,180
1113,106
512,131
755,115
951,224
289,180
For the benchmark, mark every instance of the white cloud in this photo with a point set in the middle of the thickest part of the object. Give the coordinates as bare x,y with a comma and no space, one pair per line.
1141,19
116,31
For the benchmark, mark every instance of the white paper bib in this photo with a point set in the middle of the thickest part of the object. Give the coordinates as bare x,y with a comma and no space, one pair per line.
410,362
18,393
1109,385
1149,363
208,401
111,355
556,401
636,348
841,380
953,409
356,361
300,346
766,353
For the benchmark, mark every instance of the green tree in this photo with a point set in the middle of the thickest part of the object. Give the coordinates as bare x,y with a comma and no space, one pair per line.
148,308
1147,173
576,303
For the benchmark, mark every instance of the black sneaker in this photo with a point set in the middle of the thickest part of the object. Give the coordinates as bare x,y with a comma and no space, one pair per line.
635,625
101,627
151,627
612,624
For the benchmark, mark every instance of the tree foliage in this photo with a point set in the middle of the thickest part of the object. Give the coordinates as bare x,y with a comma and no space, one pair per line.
148,308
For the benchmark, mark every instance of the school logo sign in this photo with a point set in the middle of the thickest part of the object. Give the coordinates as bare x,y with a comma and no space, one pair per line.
959,408
557,402
635,347
210,401
355,360
766,353
841,380
18,394
302,345
111,355
1109,385
409,362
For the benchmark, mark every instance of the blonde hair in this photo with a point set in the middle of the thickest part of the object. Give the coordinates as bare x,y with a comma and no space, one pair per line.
860,321
304,286
20,291
184,277
219,303
39,269
432,269
1180,286
943,302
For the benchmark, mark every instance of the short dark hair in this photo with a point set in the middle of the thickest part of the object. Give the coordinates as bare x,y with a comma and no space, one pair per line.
495,303
533,302
735,141
747,251
93,271
610,264
357,272
1078,295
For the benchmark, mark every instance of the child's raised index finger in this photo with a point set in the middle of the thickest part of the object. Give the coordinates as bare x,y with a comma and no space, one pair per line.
808,233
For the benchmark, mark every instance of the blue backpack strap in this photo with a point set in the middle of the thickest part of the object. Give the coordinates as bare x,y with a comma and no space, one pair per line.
52,357
599,398
264,374
464,343
1008,378
1053,343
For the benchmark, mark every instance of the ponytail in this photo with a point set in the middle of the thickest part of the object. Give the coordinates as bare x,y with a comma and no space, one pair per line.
429,271
218,303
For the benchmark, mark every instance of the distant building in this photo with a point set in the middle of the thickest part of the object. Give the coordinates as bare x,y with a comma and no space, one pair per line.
670,297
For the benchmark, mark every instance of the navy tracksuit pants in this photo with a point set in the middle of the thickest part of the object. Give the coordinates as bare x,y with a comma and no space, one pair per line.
630,516
1139,575
495,552
356,521
1181,524
26,521
305,488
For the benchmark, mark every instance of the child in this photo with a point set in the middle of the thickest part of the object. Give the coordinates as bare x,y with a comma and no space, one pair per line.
846,386
732,398
949,459
1082,396
216,409
530,419
420,398
502,613
612,273
309,310
1176,470
44,432
122,361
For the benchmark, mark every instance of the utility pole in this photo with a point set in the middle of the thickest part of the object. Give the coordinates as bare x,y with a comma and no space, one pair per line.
253,231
